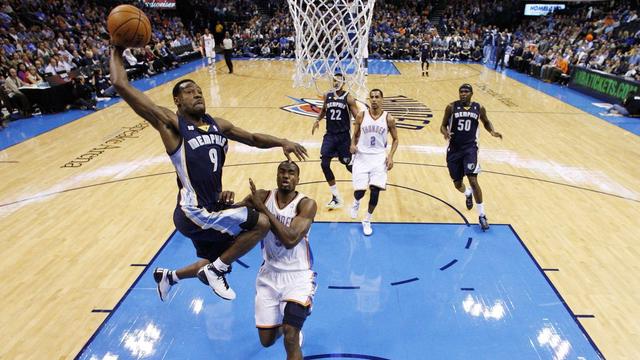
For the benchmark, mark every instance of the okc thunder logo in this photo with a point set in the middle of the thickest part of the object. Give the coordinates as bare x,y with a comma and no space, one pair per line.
410,114
304,107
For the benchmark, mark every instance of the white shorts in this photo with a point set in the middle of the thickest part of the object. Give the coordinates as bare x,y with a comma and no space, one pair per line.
369,169
210,52
275,288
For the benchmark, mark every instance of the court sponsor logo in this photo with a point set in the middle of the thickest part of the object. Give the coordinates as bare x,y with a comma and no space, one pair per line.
409,113
500,97
128,132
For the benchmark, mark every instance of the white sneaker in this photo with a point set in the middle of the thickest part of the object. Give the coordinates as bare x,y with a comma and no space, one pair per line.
335,203
354,210
164,280
366,227
209,275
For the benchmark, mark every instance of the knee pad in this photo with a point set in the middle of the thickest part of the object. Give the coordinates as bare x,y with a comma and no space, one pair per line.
295,314
347,162
373,197
325,164
358,194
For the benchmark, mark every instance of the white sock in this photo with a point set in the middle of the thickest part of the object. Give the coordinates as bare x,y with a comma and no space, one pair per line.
467,191
480,209
174,276
356,202
334,190
368,216
218,264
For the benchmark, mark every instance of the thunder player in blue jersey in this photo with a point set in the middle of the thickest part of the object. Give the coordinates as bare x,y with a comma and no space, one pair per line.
460,128
338,107
197,145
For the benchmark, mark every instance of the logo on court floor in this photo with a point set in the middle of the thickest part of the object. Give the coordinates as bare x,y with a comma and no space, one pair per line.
410,114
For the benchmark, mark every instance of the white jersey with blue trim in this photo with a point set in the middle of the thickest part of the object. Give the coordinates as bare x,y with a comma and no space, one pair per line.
373,134
274,253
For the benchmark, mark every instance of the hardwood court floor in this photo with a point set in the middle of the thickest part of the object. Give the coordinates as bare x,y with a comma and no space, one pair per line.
79,204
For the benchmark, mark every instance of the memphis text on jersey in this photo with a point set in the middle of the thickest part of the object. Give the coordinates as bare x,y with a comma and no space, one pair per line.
207,139
466,114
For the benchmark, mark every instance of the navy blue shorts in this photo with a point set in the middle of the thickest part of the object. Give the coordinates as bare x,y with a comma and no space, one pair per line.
336,145
218,232
462,162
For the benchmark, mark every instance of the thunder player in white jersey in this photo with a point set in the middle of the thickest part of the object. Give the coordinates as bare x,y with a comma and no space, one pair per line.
208,44
285,285
371,161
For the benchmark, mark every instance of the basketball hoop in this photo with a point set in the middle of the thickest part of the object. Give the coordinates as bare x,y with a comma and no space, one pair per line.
331,37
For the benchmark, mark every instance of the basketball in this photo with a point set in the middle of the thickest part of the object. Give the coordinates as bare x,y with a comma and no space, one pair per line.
128,27
589,37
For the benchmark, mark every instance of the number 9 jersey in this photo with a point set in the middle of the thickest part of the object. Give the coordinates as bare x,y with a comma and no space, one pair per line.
198,161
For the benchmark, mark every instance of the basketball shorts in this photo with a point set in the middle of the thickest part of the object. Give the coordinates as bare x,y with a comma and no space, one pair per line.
212,232
369,169
275,288
210,52
462,162
336,145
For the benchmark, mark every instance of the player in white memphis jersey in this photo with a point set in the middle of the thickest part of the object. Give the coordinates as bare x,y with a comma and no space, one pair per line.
371,161
208,44
285,285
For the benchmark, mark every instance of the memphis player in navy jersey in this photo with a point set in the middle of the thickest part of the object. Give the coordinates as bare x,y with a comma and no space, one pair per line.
460,126
338,107
197,145
425,54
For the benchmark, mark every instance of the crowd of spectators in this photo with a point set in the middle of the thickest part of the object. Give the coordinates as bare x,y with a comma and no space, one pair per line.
40,39
56,41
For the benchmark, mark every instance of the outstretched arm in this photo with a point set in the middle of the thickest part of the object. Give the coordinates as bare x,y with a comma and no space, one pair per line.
445,123
161,118
290,235
487,124
262,141
391,125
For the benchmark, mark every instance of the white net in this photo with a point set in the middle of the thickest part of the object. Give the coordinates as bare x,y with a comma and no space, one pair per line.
331,38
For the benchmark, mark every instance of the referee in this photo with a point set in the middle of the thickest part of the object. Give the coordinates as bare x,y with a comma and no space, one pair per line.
227,44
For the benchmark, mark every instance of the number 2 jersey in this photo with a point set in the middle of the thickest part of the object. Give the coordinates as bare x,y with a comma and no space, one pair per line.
373,134
198,161
463,125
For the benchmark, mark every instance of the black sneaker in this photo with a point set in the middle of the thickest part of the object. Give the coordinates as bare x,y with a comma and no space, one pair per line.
335,203
484,224
469,201
209,275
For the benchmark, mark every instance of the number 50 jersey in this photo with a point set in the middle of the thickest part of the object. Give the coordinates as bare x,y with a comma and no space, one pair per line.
463,125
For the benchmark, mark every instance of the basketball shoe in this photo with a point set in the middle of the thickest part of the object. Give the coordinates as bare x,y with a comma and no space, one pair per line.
484,224
335,203
164,280
216,279
366,227
469,201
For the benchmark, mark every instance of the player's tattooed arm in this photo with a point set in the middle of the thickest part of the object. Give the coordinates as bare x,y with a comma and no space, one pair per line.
487,124
161,118
444,127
